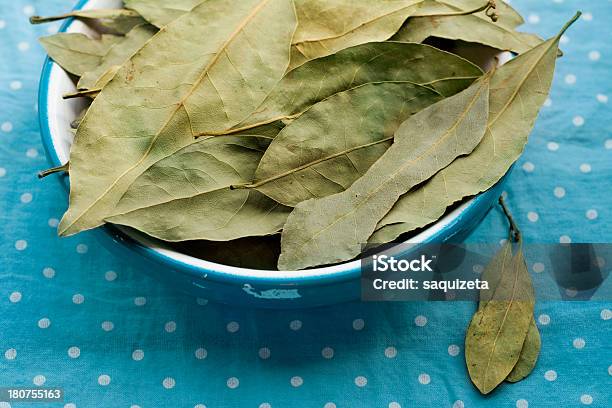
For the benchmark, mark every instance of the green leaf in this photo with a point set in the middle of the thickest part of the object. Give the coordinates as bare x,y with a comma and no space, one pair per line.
468,28
116,56
518,90
119,21
304,162
529,354
161,12
77,53
334,228
171,90
497,331
187,196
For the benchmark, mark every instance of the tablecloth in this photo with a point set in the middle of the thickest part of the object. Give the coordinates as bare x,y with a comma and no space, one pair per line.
74,315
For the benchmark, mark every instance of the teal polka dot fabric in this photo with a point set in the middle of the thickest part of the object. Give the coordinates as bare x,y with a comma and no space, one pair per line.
76,316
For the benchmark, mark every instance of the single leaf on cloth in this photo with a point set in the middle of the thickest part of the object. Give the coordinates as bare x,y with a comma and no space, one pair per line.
497,331
377,28
373,62
77,53
171,90
161,12
335,141
507,16
518,90
119,21
187,195
468,28
334,229
116,56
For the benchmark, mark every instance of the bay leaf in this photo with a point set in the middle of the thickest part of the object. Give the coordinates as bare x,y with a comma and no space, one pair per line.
372,62
529,354
304,162
469,28
119,21
497,331
518,90
77,53
188,194
171,90
508,17
334,228
116,56
161,12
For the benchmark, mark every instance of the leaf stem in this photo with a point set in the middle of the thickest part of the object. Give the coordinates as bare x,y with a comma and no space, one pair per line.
489,9
88,92
515,233
58,169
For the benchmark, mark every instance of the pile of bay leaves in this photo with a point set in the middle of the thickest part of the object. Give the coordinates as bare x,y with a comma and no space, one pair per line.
319,124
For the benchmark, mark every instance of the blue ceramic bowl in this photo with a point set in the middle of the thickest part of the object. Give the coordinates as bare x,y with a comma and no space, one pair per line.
208,280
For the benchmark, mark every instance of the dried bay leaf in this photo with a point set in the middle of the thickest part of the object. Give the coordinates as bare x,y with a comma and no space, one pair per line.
373,62
518,90
161,12
116,56
77,53
304,162
188,195
171,90
119,21
334,228
507,16
497,331
529,354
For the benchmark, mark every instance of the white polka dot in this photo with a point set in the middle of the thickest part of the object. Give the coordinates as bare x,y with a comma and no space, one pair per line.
110,276
550,375
533,18
2,172
559,192
586,399
608,144
565,39
544,319
296,381
233,382
137,355
108,326
522,403
602,98
420,320
585,168
600,262
578,121
579,343
168,383
265,405
2,24
361,381
15,85
478,268
21,244
552,146
29,10
591,214
610,370
587,16
453,350
77,299
394,405
502,241
23,46
170,326
53,222
538,267
48,273
32,153
140,301
548,102
458,404
39,380
329,405
533,216
82,249
70,405
201,353
358,324
74,352
571,292
390,352
26,198
200,406
327,352
424,378
570,79
232,327
44,323
4,404
104,379
264,353
10,354
528,167
6,127
565,239
15,297
295,325
201,301
606,314
594,55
